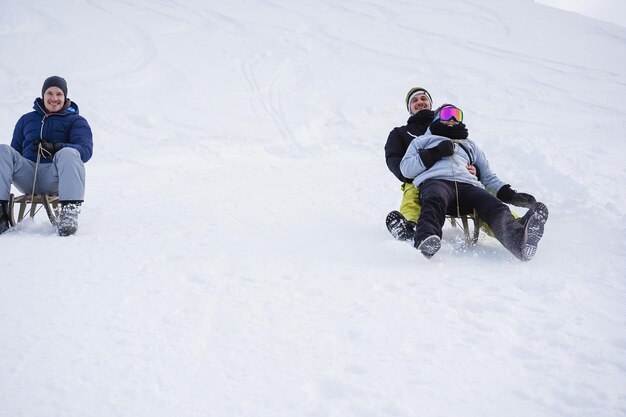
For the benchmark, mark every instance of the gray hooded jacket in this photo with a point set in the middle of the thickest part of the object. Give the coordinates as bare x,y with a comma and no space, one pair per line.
451,168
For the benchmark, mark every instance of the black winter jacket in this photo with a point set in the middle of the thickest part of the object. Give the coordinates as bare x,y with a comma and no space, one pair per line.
401,137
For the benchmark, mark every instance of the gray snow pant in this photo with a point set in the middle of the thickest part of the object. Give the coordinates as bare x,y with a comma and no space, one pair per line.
64,176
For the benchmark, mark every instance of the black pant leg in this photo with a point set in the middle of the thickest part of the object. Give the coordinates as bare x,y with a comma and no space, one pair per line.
496,214
435,197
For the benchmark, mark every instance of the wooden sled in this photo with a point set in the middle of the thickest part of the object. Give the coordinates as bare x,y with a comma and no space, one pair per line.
49,202
471,231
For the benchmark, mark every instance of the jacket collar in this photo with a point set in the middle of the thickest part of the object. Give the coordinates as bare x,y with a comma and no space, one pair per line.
69,108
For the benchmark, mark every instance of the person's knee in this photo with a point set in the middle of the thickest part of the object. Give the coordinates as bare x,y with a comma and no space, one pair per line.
8,155
435,204
5,150
436,197
67,154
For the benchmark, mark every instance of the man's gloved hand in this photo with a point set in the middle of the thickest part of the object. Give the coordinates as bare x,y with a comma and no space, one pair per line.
508,195
431,155
48,148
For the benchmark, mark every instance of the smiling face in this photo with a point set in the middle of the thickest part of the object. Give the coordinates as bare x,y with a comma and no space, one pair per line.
419,102
53,99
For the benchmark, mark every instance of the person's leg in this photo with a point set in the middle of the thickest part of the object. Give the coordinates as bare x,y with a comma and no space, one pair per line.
16,170
410,207
401,224
65,176
488,231
506,229
435,197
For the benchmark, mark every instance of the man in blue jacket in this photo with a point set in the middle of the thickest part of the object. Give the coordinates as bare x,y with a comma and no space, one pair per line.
438,161
49,149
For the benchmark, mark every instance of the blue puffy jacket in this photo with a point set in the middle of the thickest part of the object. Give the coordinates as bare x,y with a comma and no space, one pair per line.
65,126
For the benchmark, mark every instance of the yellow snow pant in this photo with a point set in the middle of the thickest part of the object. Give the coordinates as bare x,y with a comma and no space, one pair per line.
410,206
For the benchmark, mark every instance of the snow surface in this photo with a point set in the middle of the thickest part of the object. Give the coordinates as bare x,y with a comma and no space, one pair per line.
613,11
232,257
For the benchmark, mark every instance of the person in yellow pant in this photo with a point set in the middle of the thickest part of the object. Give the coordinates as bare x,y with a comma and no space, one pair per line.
419,104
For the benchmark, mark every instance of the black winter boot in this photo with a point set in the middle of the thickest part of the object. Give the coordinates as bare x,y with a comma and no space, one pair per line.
399,227
429,246
68,218
4,216
533,230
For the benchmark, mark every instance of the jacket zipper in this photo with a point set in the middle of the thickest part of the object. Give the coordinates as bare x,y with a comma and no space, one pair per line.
41,130
45,116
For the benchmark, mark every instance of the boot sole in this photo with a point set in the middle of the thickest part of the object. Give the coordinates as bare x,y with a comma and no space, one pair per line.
429,246
534,231
396,224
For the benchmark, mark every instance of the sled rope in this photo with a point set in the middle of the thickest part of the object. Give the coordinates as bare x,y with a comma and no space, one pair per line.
456,186
40,151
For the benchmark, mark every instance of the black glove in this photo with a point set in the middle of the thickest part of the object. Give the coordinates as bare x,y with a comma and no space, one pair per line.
431,155
48,148
508,195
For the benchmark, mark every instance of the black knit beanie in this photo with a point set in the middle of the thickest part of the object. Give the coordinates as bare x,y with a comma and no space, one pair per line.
54,81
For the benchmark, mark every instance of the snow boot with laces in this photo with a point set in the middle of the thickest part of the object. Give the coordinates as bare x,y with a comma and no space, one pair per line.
67,223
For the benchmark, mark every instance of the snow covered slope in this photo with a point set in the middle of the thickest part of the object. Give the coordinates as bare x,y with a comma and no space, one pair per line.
232,257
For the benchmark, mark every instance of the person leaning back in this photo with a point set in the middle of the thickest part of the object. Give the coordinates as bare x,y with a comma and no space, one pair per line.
438,161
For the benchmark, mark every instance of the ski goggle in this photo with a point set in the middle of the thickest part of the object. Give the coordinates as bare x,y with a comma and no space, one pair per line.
449,113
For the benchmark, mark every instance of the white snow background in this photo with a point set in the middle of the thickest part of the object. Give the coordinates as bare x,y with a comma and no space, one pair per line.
232,257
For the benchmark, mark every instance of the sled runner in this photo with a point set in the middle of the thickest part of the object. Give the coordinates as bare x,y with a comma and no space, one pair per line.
49,202
471,232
